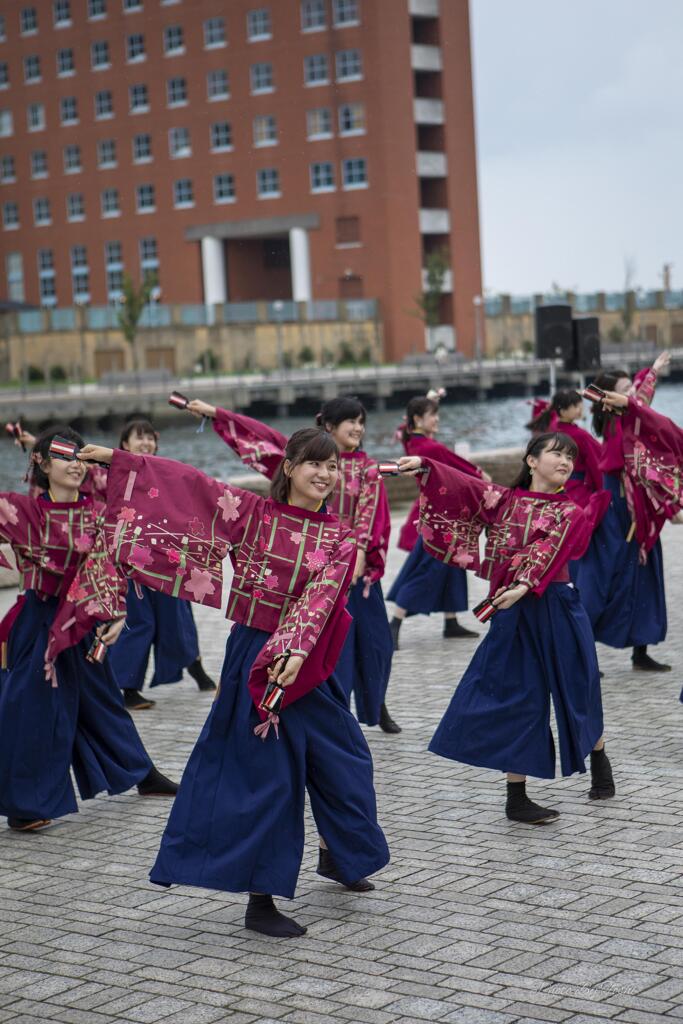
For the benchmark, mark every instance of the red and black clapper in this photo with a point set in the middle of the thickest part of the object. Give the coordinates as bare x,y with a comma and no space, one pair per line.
593,393
393,469
178,400
484,610
60,448
97,652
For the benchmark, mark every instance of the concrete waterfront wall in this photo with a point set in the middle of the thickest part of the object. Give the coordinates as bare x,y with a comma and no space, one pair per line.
502,464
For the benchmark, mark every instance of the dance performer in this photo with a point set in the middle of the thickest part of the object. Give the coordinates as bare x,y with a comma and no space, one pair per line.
563,413
238,821
72,591
154,620
424,584
539,645
359,499
621,583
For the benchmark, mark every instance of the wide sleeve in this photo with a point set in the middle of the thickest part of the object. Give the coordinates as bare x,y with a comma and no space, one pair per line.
653,460
257,445
644,385
440,453
19,520
591,453
454,509
171,526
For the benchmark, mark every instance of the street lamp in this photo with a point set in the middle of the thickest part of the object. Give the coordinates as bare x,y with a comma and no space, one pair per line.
478,303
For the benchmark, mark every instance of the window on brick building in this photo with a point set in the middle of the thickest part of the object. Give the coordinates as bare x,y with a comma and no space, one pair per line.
348,65
261,77
183,193
268,183
352,119
10,216
138,99
265,130
217,85
7,169
354,173
75,206
28,21
322,177
221,136
41,211
113,265
72,159
46,277
135,48
97,8
65,62
6,124
106,153
39,163
104,104
214,32
80,274
316,69
319,123
14,268
347,230
68,110
142,148
176,92
145,198
313,15
99,54
258,25
174,40
4,74
132,5
110,203
61,10
32,68
149,256
345,12
35,117
3,33
179,144
224,188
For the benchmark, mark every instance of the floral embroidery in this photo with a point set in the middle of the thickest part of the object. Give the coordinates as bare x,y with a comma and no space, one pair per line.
83,543
462,557
153,492
271,580
141,556
76,592
229,504
127,514
317,559
201,585
196,526
296,538
491,497
94,608
173,556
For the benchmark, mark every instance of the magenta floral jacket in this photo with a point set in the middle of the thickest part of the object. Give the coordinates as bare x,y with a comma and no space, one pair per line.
171,526
530,537
359,499
61,551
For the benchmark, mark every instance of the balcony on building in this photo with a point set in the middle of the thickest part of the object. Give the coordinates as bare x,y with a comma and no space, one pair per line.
431,165
435,222
428,111
423,8
425,58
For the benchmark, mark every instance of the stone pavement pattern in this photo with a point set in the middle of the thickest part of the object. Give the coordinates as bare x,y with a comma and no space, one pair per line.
475,921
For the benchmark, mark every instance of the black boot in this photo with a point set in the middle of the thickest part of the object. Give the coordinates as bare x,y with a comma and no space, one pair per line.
262,916
386,722
519,807
328,869
134,701
642,662
196,670
452,630
395,626
156,784
602,781
28,824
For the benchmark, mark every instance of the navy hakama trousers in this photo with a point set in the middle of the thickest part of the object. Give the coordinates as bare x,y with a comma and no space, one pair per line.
425,585
237,823
364,665
44,730
499,717
624,600
159,621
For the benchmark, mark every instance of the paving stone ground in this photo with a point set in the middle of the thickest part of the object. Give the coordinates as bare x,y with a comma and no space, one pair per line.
475,921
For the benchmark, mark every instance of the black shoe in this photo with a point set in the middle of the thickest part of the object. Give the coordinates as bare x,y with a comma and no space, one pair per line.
196,670
642,662
530,813
602,781
386,722
262,916
452,630
28,824
328,869
395,626
156,784
134,701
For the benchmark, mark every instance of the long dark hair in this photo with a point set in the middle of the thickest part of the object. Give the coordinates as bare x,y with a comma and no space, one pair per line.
334,412
602,420
554,441
561,400
42,447
418,406
308,445
139,426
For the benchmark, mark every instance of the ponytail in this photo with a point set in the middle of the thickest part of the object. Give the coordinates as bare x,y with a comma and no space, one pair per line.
416,407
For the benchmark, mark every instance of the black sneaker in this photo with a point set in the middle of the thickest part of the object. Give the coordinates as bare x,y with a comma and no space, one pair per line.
28,824
386,722
196,670
328,869
602,780
530,813
156,784
134,701
644,663
452,630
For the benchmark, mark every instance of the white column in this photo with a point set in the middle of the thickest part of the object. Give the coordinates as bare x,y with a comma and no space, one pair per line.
213,272
300,260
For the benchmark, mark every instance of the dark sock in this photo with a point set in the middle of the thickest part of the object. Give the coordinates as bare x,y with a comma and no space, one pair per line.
156,784
642,660
328,869
262,916
196,670
602,780
386,722
395,626
452,628
518,806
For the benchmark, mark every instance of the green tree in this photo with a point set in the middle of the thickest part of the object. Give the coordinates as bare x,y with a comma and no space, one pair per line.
428,301
133,302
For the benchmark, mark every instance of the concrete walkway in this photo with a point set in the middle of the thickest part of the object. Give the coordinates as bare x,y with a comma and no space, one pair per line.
475,921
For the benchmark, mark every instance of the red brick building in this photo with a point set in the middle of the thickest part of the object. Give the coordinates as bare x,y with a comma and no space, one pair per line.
240,149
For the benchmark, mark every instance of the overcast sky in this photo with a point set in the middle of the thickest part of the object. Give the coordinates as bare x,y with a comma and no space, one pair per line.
580,141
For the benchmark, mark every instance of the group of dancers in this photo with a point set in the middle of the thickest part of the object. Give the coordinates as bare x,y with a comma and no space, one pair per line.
112,556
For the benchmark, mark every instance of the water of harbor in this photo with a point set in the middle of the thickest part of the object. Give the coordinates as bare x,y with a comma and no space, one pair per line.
477,426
